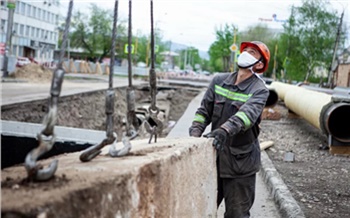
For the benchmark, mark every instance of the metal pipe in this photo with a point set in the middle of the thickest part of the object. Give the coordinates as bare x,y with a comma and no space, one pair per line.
345,91
336,121
317,89
273,97
307,104
330,115
281,88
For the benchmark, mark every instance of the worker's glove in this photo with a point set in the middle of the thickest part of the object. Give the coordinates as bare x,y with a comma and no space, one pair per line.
219,136
195,132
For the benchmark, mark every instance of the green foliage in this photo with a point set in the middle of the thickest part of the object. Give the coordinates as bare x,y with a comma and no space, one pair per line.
220,49
309,38
259,32
93,33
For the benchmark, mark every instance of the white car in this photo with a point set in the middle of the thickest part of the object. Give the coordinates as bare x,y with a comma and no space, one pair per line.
22,61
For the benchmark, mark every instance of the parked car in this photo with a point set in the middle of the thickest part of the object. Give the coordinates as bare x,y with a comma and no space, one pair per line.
33,60
22,61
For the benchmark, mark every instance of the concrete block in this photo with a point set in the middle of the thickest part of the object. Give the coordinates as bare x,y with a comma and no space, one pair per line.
175,177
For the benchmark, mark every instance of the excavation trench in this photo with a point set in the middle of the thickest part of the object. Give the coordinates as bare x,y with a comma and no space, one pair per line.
153,180
85,111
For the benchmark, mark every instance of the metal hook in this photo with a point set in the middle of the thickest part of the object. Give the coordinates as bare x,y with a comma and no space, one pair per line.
35,172
132,134
95,150
152,131
113,152
153,126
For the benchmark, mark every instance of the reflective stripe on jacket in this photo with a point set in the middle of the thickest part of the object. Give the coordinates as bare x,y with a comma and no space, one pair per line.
237,109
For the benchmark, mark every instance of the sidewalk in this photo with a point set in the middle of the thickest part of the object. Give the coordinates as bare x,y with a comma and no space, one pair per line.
16,92
264,205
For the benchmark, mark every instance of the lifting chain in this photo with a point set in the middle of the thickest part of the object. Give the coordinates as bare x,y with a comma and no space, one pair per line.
47,136
132,124
153,124
111,136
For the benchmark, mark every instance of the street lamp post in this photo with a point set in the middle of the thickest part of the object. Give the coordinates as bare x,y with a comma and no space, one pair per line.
185,61
11,5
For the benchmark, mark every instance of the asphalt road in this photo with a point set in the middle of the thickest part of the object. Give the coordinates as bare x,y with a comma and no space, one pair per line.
15,92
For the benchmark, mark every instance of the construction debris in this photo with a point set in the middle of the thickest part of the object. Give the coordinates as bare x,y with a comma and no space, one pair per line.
265,145
33,73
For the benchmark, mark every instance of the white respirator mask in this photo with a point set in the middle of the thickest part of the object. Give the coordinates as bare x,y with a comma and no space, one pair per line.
246,60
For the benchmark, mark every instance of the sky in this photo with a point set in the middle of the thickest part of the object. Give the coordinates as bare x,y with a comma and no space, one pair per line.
193,22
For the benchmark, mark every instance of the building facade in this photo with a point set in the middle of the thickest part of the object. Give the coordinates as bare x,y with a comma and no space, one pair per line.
34,32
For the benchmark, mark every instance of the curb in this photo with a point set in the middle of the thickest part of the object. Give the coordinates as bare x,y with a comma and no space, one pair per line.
13,80
287,205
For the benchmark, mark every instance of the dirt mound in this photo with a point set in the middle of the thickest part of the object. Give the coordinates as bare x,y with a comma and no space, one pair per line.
33,73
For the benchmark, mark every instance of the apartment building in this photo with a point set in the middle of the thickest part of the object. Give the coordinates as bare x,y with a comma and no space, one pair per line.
35,32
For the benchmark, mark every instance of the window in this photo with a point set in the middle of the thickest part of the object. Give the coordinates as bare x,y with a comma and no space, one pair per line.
39,13
21,30
51,36
20,52
2,5
29,10
34,12
32,32
37,32
14,50
17,8
27,30
3,25
23,8
42,33
15,28
43,15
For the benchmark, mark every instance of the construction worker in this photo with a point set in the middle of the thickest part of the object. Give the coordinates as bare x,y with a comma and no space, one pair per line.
233,104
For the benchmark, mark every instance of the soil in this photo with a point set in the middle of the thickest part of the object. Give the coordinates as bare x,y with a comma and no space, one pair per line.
87,110
33,73
318,180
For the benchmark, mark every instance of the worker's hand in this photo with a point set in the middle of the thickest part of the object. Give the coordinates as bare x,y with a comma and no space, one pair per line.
195,132
219,136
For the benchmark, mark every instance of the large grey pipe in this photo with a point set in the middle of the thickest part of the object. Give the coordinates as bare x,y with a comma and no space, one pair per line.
317,108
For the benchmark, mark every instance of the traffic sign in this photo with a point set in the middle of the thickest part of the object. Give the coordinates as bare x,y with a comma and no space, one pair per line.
126,51
11,4
233,47
237,55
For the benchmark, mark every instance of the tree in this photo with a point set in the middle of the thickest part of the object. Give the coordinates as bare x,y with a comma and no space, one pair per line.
258,32
308,38
93,33
219,51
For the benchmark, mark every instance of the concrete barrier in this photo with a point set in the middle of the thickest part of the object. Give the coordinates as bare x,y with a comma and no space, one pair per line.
174,177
